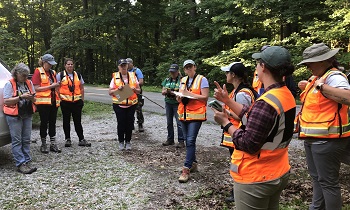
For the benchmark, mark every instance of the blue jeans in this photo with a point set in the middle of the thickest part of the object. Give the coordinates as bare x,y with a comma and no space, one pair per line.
171,112
190,130
20,130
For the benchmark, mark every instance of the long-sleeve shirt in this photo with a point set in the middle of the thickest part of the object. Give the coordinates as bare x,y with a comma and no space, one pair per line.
261,118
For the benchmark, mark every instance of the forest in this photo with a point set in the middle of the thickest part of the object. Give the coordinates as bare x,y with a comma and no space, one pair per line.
157,33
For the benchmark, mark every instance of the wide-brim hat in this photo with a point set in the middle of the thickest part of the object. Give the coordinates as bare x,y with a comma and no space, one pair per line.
318,52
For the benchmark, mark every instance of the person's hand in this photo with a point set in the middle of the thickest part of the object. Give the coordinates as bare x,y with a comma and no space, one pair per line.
164,91
28,96
302,84
120,87
221,94
320,80
220,117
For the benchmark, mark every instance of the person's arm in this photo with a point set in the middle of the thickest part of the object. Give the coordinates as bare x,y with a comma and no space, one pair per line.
139,76
82,91
336,94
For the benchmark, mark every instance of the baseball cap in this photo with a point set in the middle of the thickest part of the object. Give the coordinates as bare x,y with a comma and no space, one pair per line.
274,56
236,67
129,60
174,68
122,61
189,62
49,58
318,52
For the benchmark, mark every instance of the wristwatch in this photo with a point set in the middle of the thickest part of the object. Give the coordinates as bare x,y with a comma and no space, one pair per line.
319,86
227,126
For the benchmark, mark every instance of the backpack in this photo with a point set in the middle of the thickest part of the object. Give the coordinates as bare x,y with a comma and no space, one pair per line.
62,75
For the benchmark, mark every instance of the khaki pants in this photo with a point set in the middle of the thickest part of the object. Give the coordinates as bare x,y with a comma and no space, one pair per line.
260,196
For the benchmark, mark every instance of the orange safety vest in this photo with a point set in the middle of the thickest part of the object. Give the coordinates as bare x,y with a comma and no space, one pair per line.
44,97
227,138
194,110
257,84
319,116
66,82
271,162
118,81
12,110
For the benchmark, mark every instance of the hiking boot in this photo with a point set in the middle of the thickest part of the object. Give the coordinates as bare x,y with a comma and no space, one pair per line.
30,166
84,143
44,149
194,167
230,198
180,145
141,128
54,148
185,175
128,146
24,169
121,146
168,142
68,143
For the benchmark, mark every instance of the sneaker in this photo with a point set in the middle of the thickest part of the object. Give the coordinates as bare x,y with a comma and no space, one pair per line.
30,166
141,128
167,143
121,146
194,167
230,198
185,175
68,143
24,169
33,141
181,144
44,149
84,143
128,146
54,148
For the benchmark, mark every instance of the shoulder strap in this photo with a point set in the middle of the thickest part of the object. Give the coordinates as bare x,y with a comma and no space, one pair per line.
246,86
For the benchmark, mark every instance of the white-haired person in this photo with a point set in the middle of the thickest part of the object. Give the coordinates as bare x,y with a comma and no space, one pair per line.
19,107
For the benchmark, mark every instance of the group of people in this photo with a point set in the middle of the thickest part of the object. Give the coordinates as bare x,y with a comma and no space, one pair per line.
259,125
45,92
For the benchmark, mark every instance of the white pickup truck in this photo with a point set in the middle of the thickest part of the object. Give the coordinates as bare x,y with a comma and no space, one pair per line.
5,75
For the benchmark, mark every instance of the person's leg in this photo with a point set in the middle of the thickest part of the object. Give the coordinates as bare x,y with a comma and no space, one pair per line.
260,196
169,121
129,113
15,126
44,119
327,158
52,120
121,127
191,136
76,114
26,134
66,113
317,195
180,135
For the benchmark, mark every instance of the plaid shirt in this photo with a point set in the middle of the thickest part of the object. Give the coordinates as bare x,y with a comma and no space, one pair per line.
261,118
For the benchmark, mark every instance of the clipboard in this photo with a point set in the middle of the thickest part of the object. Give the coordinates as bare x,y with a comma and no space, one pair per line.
182,95
124,93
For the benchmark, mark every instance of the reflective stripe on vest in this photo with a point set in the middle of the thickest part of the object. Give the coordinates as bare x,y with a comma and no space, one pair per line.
65,93
271,162
44,97
12,110
321,117
118,81
195,109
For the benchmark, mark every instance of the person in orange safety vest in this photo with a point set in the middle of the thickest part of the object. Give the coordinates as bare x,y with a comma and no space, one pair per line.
323,124
259,164
72,102
18,109
124,88
47,101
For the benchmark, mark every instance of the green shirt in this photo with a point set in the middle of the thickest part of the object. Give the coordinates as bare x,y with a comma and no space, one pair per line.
173,85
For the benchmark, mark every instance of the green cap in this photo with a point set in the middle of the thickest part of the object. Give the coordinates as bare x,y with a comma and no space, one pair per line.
274,56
